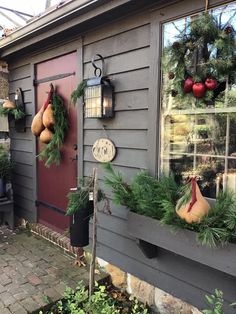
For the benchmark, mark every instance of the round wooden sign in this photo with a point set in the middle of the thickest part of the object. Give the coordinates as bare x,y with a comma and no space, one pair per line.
104,150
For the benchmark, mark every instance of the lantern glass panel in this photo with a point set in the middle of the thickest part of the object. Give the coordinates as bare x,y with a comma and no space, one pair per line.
107,110
93,101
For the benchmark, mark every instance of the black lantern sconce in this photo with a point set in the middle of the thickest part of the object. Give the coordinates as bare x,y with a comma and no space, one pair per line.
98,94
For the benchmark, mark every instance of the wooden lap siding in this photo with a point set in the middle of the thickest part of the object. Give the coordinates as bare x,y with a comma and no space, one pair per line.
127,56
22,145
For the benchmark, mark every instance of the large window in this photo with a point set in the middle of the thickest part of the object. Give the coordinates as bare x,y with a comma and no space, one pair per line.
198,130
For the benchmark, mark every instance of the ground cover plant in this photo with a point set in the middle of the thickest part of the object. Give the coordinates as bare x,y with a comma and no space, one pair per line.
104,300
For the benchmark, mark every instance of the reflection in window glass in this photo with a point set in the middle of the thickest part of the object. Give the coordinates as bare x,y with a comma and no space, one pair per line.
198,135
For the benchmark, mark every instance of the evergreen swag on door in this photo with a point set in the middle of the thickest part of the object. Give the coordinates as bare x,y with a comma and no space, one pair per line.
202,61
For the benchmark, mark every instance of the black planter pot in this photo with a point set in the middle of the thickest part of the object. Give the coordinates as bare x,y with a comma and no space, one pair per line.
79,227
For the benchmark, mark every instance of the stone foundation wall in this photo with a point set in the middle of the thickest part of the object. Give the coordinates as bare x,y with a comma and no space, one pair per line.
159,300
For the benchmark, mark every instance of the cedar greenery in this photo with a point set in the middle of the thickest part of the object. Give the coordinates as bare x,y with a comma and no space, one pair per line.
51,153
78,92
16,112
157,198
79,199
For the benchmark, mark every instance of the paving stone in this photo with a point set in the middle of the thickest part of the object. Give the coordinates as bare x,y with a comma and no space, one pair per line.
53,294
32,271
17,308
5,280
34,280
21,295
7,298
30,305
40,299
2,288
5,311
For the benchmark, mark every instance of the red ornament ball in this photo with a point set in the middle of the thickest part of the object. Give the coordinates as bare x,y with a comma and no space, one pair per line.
228,29
198,90
211,83
188,84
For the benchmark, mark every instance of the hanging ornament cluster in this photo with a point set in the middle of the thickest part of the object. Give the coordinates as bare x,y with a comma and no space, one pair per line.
50,125
202,60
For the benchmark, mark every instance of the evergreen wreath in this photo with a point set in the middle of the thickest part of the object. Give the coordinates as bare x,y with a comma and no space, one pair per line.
51,153
202,60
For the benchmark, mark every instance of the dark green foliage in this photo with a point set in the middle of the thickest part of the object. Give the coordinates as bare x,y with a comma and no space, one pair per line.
51,153
216,302
6,165
79,199
16,113
122,191
78,92
159,199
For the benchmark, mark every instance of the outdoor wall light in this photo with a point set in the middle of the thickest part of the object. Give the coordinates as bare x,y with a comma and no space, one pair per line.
98,94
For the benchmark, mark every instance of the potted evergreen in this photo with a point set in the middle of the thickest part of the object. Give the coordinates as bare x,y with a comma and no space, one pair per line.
80,208
6,166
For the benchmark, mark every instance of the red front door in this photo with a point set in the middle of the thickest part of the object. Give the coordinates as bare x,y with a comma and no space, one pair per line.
55,182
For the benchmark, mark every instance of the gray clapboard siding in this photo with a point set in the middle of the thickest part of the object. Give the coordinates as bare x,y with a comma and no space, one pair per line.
127,171
27,204
131,100
18,73
125,157
124,62
21,190
24,181
126,120
24,170
28,97
179,288
24,213
22,145
22,157
117,27
26,136
175,265
24,83
135,139
120,43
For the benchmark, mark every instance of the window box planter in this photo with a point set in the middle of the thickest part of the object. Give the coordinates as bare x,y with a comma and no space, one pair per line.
183,242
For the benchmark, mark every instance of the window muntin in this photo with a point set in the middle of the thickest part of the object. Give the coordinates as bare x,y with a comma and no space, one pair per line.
201,139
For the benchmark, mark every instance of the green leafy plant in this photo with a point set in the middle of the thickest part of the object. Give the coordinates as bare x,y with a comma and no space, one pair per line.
101,302
6,165
15,112
216,303
158,198
51,153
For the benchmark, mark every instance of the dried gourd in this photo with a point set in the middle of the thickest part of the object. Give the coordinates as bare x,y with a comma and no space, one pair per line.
46,136
48,117
192,209
8,104
37,124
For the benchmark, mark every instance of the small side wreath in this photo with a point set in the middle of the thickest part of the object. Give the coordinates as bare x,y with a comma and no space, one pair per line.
16,113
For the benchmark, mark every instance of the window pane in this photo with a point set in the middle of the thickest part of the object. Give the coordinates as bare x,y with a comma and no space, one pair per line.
198,133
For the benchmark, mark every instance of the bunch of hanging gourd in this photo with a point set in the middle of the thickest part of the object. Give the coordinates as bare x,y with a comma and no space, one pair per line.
50,125
9,107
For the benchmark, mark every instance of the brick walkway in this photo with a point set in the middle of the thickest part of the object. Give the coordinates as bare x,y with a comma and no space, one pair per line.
32,272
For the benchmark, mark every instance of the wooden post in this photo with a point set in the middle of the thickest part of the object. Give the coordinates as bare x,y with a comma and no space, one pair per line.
94,245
